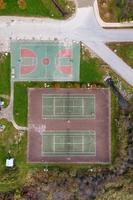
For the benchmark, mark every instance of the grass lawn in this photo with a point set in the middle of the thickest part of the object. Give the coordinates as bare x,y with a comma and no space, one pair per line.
21,100
90,71
90,68
4,74
38,8
124,51
116,10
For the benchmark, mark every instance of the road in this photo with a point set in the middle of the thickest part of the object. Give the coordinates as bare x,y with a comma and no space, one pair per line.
83,26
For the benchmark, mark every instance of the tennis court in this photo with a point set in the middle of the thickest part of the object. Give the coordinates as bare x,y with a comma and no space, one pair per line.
69,125
45,61
68,106
69,143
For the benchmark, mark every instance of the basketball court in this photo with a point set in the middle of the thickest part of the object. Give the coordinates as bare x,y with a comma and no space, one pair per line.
69,125
45,61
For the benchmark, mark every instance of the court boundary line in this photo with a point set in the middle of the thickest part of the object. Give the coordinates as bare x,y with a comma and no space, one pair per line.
32,44
66,154
49,43
57,63
110,125
28,64
46,67
74,116
36,61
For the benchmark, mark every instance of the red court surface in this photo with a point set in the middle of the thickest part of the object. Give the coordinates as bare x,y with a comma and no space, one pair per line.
27,69
27,53
65,53
45,61
100,125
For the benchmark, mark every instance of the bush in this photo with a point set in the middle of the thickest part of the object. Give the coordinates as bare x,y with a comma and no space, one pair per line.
22,4
2,4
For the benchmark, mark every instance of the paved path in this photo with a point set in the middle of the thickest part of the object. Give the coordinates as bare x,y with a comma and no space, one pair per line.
7,113
85,3
83,26
117,64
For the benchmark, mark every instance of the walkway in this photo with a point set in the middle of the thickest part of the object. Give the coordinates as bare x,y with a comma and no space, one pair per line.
7,113
85,3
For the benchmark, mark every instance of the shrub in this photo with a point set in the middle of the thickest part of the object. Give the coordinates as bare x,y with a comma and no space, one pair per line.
22,4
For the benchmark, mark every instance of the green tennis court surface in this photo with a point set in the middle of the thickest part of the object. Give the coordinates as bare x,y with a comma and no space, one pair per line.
71,143
68,106
45,61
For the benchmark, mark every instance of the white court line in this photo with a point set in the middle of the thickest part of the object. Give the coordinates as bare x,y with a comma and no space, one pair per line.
28,59
63,115
54,106
46,67
55,113
42,107
73,152
70,106
82,107
58,96
73,133
68,143
49,96
57,59
36,59
94,102
54,143
83,143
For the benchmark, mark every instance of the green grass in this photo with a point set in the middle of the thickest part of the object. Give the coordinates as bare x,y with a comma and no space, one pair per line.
90,71
21,100
124,51
20,103
36,8
4,74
